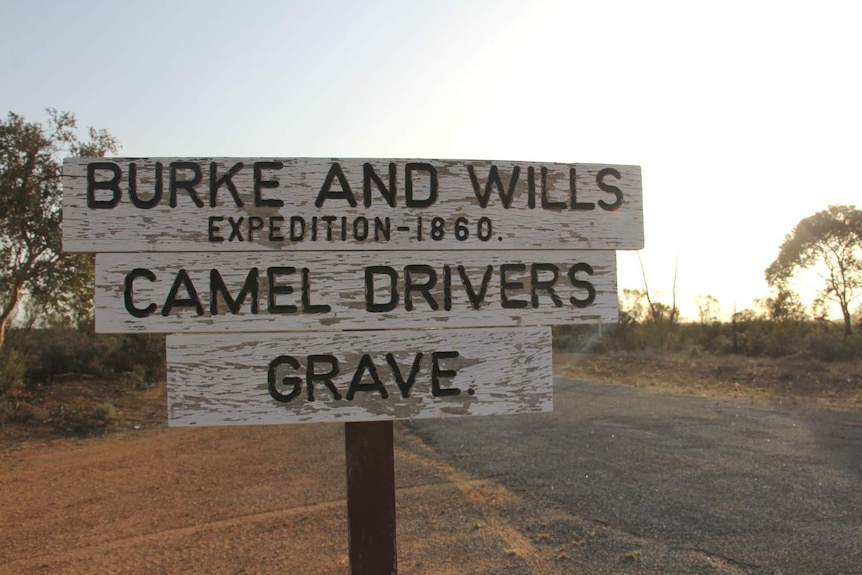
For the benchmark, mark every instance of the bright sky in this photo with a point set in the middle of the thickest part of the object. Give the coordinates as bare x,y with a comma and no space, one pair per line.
746,116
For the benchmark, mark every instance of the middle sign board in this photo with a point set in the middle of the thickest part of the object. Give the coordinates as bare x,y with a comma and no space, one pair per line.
269,291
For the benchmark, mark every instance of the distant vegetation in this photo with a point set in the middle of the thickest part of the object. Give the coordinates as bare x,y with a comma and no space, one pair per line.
826,246
57,353
778,327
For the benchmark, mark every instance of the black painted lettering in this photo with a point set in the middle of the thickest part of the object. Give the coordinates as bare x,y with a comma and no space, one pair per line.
326,191
447,288
437,373
476,298
605,187
226,180
128,296
370,176
582,284
213,229
260,184
573,193
382,229
294,381
360,229
182,280
366,364
409,199
370,297
311,374
113,184
505,285
328,220
531,185
423,287
185,184
307,306
493,181
235,231
274,289
297,228
275,228
404,385
255,224
218,288
133,188
547,285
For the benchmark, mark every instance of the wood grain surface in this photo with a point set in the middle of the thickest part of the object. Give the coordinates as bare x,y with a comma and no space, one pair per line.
224,379
352,290
317,204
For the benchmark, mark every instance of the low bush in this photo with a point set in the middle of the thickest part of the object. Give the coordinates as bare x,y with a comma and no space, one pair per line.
56,353
12,371
105,414
748,334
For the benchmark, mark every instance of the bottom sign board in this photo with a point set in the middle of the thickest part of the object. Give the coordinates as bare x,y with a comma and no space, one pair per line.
274,378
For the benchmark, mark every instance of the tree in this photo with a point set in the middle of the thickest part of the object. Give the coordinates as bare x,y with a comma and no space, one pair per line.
829,243
708,309
32,264
664,317
782,307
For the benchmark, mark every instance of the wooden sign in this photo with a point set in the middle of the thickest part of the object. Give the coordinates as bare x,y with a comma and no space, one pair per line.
269,291
248,379
311,204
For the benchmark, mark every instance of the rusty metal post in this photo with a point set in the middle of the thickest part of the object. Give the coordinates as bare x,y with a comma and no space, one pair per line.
371,497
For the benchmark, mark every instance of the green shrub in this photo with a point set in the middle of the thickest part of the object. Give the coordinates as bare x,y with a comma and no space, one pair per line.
59,351
12,370
578,338
835,348
105,413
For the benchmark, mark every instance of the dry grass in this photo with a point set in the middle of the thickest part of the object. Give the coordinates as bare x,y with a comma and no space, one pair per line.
791,380
81,407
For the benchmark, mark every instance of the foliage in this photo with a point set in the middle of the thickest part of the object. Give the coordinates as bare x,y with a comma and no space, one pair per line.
644,323
105,413
12,370
777,327
708,309
57,352
32,264
578,338
829,243
783,307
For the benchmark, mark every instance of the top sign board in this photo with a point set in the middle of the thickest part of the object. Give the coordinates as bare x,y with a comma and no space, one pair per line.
313,204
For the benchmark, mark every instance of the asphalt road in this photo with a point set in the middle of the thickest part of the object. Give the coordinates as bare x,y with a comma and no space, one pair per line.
661,483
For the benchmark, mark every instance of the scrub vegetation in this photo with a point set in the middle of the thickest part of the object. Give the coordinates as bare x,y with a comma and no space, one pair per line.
777,350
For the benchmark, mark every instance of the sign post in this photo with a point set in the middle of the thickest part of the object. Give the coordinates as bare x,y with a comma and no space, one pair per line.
362,291
371,497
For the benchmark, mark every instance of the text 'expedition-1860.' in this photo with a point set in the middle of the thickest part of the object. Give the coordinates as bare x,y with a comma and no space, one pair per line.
299,204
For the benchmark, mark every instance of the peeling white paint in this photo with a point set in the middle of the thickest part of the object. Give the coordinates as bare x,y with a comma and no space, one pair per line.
222,379
338,280
567,215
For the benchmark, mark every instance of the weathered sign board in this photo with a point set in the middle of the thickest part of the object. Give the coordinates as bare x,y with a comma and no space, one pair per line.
314,204
270,291
248,379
